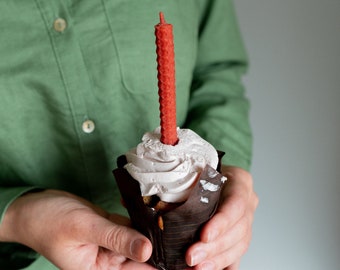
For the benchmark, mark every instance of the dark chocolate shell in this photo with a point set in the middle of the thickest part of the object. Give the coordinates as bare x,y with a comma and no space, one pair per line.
172,232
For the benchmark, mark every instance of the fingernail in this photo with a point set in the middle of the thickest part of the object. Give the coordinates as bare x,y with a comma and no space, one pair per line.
136,248
198,257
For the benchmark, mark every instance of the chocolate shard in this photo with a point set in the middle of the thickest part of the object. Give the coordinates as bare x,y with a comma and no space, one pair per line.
180,226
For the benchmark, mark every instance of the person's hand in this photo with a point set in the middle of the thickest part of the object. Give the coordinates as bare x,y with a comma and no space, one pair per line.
74,234
226,237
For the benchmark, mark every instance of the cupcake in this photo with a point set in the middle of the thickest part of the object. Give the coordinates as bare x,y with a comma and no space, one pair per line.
170,192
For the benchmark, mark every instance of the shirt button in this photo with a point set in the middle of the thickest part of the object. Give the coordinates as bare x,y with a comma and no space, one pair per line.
88,126
59,25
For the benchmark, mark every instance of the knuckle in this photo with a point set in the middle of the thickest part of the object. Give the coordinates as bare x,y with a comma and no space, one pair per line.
239,205
256,200
244,246
244,227
115,238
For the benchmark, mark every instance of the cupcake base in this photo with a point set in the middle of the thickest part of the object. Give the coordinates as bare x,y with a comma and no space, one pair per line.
171,232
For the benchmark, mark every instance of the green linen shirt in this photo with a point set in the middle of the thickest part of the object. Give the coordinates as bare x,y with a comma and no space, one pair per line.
78,86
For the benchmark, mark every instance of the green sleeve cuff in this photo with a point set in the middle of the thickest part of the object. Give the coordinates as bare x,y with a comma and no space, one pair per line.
8,195
41,263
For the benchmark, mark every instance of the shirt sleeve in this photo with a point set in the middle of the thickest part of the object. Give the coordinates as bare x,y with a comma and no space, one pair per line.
219,109
8,195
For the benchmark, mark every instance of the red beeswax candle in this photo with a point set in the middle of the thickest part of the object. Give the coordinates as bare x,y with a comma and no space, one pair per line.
166,81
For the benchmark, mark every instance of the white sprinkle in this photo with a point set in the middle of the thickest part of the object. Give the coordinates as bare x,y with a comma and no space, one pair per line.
204,200
212,173
209,186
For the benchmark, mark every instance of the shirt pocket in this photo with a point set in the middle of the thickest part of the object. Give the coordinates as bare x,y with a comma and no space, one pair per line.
136,50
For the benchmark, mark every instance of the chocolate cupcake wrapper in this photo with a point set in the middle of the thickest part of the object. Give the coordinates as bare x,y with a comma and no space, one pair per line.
172,232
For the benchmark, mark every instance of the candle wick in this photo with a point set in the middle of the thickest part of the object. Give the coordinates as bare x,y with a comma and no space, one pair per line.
161,18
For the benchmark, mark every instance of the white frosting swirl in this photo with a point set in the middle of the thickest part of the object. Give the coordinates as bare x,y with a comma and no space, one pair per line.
170,171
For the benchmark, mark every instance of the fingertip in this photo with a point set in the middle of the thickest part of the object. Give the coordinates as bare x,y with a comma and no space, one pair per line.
195,256
141,249
147,250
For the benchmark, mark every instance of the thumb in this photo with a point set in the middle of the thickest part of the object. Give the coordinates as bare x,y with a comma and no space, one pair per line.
123,240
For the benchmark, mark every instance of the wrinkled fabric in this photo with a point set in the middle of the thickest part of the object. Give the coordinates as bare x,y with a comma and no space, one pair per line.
96,65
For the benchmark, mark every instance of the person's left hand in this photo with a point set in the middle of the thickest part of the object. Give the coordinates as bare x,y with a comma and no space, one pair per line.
226,237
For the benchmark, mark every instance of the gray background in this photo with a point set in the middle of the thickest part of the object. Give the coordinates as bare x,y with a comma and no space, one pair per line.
293,84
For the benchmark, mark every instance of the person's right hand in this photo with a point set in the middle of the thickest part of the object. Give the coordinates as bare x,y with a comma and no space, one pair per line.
73,233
